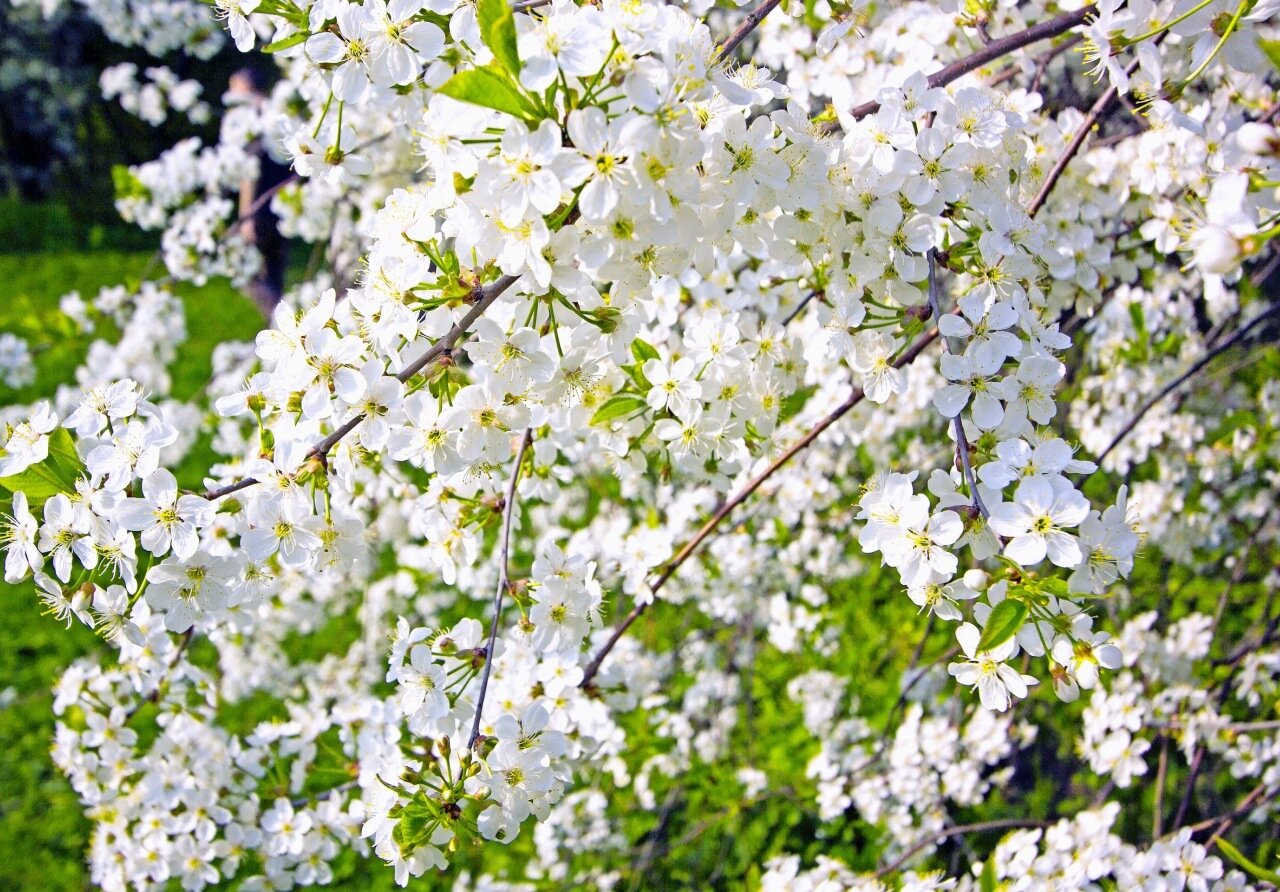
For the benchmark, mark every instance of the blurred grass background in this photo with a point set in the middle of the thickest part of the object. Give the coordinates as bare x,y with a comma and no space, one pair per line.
43,834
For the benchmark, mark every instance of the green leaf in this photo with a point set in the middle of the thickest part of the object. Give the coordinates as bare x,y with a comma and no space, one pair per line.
40,482
498,29
62,450
792,403
285,43
1005,621
491,88
58,472
637,376
987,882
617,406
643,351
1271,48
1257,871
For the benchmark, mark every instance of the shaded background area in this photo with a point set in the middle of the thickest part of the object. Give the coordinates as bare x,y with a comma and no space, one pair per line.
59,232
59,138
43,832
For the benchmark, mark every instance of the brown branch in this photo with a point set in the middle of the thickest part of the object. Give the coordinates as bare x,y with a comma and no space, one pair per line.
994,50
1043,61
749,24
1256,797
1100,108
906,357
1177,382
487,295
799,308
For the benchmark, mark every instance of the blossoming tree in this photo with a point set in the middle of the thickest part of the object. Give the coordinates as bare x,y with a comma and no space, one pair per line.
747,425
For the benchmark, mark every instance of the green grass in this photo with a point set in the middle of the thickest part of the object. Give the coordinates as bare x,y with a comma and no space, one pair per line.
43,834
27,228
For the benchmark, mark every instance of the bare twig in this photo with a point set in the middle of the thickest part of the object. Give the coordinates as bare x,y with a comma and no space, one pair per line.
1042,62
749,24
994,50
799,308
959,830
904,358
1100,108
154,696
1177,382
1238,573
504,579
1162,777
1255,798
487,295
962,440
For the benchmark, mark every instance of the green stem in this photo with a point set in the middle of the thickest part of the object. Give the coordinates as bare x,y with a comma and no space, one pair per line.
1158,29
324,113
1222,41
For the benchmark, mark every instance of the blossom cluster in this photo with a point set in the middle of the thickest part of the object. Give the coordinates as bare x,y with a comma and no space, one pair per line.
152,100
588,290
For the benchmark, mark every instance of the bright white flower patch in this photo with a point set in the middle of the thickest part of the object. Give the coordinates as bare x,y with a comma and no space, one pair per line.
605,322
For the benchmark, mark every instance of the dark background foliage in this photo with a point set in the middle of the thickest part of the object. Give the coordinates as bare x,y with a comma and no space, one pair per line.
59,138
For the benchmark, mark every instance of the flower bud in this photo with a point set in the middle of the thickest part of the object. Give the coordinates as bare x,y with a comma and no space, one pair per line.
606,319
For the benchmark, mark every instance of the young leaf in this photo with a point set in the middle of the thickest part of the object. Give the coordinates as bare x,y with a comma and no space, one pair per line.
1005,621
285,43
617,406
490,88
40,482
1271,49
636,374
1257,871
642,350
62,451
987,881
498,29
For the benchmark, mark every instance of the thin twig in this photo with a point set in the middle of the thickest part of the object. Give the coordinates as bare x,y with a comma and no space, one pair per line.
1162,777
1237,575
504,579
1100,108
1042,61
752,21
994,50
1252,800
799,308
154,696
959,830
1177,382
906,357
962,440
488,295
